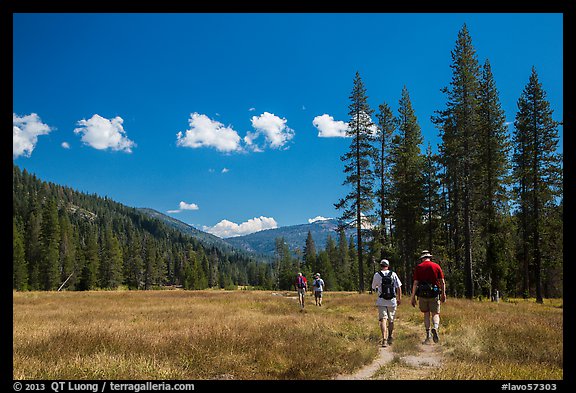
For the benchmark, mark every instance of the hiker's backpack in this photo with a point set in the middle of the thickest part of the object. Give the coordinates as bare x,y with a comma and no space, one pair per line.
388,291
301,282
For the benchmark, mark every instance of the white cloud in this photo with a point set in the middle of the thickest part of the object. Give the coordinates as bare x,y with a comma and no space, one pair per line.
248,140
225,170
102,133
274,129
330,128
25,133
205,132
184,206
65,145
225,228
317,218
188,206
252,109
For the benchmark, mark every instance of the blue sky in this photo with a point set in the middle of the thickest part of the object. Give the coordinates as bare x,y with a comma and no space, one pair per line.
229,122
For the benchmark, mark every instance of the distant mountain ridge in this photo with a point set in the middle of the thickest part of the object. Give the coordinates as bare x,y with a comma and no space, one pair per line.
205,238
264,242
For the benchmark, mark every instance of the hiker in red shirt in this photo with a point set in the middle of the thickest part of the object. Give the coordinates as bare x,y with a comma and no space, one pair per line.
429,286
301,285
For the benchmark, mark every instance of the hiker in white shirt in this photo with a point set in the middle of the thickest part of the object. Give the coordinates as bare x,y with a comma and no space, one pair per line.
318,286
388,300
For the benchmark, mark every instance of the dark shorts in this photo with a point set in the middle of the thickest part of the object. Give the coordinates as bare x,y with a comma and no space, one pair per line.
318,293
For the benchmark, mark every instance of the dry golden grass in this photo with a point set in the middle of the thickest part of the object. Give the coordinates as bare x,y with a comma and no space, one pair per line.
262,335
189,335
506,341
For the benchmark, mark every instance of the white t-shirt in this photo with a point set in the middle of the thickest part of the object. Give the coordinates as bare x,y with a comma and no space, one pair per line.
318,285
377,284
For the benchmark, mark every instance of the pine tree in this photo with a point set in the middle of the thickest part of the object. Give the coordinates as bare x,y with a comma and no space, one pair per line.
50,239
387,123
67,250
309,253
285,265
19,264
161,263
353,255
432,200
150,275
111,265
91,257
552,248
460,134
328,273
407,180
190,273
537,171
492,176
33,249
342,266
358,203
213,272
134,264
196,277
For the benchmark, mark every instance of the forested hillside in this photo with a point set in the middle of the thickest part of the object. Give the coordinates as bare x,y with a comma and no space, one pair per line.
90,242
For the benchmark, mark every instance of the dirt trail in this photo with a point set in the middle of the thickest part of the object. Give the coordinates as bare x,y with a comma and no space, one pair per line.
408,367
385,355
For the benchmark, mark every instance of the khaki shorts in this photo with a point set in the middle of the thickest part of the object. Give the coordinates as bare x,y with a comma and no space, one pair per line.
302,291
386,312
429,304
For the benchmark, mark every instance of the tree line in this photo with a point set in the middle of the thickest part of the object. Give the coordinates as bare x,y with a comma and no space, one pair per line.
488,204
62,236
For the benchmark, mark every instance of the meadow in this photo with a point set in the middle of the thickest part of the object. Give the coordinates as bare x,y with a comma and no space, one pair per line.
263,335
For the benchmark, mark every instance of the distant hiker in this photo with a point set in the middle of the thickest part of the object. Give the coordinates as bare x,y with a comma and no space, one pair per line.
318,286
301,285
429,286
496,296
387,284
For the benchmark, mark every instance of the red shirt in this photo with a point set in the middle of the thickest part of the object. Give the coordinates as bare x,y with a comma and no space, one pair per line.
428,271
302,280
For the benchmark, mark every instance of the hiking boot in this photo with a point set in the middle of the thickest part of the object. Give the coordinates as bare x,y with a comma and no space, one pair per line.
426,341
434,336
390,340
384,344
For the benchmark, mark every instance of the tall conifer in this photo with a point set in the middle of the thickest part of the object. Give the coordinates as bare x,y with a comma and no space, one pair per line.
357,205
408,185
460,134
537,172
